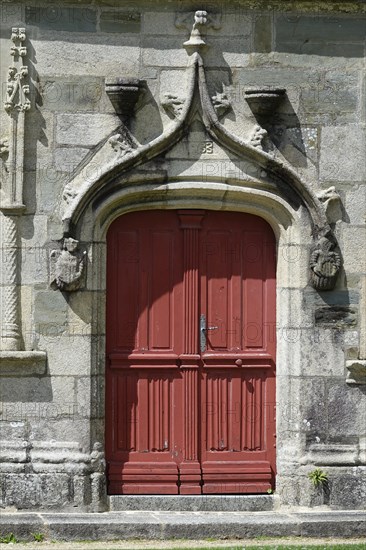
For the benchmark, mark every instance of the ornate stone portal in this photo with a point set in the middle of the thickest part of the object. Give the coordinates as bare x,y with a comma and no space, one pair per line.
123,171
325,262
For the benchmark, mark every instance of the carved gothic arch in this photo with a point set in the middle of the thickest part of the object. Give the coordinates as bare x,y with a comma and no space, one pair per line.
111,169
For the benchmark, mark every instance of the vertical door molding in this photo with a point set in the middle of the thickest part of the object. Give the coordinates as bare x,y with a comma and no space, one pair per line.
190,468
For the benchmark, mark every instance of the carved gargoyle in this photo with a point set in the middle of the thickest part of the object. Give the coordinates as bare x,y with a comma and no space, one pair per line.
257,136
324,264
172,104
332,204
68,266
221,103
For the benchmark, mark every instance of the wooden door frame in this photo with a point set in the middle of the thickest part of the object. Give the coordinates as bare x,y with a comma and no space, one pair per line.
194,233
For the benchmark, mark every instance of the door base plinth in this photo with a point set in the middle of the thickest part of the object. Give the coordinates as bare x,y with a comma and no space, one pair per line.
190,478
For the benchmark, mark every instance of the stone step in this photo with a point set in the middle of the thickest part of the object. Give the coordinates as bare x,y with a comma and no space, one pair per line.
194,503
183,525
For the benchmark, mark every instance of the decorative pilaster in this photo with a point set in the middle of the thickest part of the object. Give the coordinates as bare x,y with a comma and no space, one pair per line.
16,104
11,207
11,333
190,469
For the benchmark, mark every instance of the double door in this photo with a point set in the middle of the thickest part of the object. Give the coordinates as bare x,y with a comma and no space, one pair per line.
190,354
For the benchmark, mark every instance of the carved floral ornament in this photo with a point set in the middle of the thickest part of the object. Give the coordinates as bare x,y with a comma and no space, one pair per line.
121,151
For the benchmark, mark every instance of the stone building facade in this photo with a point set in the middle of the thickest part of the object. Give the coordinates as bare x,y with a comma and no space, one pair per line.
114,107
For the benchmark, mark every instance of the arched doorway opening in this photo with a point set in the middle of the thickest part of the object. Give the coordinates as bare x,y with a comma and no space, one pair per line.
191,348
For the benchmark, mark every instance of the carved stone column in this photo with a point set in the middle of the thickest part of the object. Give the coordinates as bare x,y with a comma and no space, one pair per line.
190,469
11,339
11,205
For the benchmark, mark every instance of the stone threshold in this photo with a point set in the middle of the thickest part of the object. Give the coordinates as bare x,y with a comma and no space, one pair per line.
184,525
194,503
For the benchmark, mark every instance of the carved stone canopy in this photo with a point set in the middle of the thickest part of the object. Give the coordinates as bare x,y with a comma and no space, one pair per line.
121,153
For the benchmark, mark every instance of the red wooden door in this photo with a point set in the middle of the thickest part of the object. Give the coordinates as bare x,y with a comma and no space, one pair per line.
190,377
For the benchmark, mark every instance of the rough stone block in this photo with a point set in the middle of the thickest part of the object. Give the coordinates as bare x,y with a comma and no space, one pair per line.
70,62
321,28
292,312
262,33
342,153
336,316
10,12
47,425
67,159
55,490
22,490
70,93
310,352
120,22
313,410
346,410
355,204
68,353
353,249
38,140
292,265
50,312
61,18
83,313
84,129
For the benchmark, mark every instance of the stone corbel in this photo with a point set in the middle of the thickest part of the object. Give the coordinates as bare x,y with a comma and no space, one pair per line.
124,94
264,101
325,262
68,266
356,371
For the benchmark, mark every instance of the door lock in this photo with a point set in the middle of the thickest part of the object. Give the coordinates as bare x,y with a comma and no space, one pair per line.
203,331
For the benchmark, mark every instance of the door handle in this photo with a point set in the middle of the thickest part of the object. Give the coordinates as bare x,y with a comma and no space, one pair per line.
203,331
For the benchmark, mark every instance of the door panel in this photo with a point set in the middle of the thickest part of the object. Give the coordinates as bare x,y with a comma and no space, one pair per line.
190,405
144,340
238,300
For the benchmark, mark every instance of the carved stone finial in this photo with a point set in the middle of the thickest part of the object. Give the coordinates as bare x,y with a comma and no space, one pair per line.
324,264
172,104
196,41
68,266
257,136
17,88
